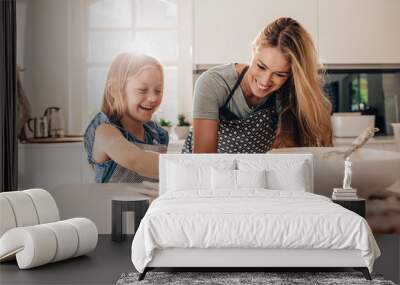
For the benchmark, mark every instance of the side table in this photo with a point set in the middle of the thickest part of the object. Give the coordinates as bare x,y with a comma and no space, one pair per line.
138,205
357,205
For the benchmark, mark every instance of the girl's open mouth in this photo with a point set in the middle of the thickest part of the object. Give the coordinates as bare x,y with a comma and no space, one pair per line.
146,108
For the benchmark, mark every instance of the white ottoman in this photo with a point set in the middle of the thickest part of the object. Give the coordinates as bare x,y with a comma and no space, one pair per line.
31,232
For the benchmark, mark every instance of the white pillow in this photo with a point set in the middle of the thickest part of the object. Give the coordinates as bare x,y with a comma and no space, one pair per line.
291,176
251,178
223,179
182,177
187,175
227,179
282,174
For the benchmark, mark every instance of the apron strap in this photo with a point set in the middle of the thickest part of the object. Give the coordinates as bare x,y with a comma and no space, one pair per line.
241,75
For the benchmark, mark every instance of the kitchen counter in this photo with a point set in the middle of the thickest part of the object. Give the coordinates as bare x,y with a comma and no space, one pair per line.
47,164
65,139
379,142
174,142
374,140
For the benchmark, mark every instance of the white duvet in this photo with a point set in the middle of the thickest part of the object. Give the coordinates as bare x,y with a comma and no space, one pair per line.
253,218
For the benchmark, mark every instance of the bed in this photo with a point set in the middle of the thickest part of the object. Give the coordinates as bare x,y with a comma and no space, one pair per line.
246,211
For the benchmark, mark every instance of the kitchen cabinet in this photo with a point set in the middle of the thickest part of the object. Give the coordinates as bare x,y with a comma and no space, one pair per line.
47,165
224,29
359,31
344,32
50,165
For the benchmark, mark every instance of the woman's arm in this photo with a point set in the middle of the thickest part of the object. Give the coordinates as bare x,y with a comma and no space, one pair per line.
210,93
205,134
109,143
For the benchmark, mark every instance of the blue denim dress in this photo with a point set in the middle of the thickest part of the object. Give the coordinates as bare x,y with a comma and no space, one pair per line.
155,139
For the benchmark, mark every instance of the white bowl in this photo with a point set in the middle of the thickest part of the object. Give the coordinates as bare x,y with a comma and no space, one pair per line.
167,128
351,125
181,132
372,170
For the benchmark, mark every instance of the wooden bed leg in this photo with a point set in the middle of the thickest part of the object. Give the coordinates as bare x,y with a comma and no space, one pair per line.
364,271
143,274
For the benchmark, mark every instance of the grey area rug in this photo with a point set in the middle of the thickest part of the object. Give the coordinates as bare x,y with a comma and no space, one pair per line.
225,278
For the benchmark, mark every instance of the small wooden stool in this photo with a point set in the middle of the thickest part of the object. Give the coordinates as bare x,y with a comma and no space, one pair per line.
138,205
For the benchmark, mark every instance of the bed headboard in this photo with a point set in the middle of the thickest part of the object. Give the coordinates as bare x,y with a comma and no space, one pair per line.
212,159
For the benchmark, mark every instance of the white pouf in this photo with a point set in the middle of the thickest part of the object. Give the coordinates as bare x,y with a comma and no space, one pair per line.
31,233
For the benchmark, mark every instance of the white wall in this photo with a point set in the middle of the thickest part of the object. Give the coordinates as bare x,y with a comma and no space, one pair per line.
50,55
24,43
49,48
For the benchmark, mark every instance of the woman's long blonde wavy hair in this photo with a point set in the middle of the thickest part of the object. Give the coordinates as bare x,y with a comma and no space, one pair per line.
305,111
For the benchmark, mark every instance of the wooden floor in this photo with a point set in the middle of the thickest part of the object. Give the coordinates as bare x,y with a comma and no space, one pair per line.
111,259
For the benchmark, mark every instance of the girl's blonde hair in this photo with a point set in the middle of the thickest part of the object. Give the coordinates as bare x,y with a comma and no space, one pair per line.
123,66
305,110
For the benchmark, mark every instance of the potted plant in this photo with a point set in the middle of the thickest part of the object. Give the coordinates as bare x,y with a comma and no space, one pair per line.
181,130
165,124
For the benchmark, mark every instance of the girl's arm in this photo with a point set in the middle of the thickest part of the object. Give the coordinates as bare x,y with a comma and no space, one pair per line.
109,143
205,134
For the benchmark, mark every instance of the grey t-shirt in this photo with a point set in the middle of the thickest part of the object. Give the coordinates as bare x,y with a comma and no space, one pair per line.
212,89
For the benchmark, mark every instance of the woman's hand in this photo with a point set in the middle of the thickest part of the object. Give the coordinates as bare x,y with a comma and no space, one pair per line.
109,143
205,134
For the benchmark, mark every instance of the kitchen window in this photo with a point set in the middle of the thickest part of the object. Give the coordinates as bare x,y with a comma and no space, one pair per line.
146,26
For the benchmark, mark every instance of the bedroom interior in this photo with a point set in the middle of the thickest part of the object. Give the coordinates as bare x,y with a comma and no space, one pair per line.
295,215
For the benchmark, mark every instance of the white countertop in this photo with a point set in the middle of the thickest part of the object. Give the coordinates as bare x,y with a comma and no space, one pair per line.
374,140
176,145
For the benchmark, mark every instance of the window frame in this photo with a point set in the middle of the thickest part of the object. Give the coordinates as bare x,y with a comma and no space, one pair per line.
183,62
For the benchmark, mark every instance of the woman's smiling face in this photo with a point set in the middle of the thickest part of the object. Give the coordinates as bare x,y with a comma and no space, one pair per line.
143,93
268,71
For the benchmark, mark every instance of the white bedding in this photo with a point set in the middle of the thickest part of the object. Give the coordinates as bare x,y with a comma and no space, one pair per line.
251,218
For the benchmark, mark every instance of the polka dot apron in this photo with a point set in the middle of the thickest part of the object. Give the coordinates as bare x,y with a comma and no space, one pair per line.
254,134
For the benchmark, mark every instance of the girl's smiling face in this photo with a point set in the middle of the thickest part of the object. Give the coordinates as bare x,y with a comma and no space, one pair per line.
143,93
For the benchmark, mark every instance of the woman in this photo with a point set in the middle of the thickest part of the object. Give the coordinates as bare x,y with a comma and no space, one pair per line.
276,101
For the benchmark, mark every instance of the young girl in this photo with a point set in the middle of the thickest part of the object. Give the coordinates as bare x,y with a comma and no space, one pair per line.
121,142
